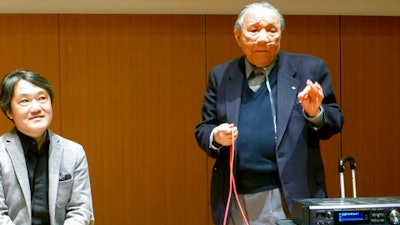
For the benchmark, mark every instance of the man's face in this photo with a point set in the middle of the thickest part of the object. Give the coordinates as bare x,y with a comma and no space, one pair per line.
31,109
260,36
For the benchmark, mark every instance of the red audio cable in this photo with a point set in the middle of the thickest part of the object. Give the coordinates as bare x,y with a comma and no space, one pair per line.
232,186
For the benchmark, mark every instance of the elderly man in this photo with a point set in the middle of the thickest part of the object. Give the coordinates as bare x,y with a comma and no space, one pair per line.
273,107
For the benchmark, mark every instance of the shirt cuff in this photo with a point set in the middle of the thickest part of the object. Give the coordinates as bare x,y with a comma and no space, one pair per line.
214,145
316,122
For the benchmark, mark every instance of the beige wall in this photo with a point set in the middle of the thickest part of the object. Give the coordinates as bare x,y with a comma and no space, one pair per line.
129,88
288,7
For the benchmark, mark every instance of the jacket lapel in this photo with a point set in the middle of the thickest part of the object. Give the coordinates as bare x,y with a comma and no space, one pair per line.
16,152
55,156
234,90
287,91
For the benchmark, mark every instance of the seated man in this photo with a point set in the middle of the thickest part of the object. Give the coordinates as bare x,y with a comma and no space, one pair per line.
44,178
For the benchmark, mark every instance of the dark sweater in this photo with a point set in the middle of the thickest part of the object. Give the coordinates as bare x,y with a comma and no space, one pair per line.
256,168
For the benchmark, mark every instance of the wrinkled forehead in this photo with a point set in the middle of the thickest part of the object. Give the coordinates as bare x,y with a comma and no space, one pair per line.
261,16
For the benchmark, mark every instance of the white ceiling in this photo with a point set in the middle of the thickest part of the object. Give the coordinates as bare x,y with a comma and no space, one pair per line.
288,7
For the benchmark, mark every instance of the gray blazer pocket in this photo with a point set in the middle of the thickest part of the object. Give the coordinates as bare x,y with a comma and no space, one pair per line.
64,192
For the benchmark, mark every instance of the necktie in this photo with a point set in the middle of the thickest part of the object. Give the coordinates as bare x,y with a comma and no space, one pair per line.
257,77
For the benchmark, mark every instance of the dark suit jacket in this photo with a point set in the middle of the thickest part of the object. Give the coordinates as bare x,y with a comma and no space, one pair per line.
298,155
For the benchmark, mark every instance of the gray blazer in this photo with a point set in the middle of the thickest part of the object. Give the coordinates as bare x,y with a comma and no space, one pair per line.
70,200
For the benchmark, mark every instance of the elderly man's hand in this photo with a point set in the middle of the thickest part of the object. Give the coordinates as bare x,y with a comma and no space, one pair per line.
225,134
311,98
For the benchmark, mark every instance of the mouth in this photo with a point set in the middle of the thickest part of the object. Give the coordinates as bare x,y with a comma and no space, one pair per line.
262,51
36,117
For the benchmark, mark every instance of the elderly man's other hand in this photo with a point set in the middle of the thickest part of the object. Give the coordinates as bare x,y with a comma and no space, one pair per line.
225,134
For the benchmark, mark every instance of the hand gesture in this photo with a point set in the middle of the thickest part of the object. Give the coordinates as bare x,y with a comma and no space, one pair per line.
311,98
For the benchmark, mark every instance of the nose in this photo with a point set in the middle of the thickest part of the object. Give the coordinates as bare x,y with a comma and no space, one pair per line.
35,106
263,37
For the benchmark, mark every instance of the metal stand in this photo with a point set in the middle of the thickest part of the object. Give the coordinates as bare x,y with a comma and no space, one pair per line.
353,175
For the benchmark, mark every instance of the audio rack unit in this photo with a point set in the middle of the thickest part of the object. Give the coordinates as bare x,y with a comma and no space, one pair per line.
344,211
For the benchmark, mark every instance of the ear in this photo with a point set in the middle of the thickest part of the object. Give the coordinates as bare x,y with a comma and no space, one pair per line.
10,115
237,34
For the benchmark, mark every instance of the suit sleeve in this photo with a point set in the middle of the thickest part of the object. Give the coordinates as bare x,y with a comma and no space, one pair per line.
4,218
333,116
4,211
209,116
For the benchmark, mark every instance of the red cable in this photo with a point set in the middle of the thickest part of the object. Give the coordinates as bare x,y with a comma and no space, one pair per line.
232,185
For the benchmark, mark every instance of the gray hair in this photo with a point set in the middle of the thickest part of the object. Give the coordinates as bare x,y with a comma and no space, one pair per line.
10,80
255,5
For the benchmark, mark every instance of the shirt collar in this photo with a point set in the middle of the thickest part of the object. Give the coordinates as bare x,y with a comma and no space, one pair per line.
250,67
27,141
